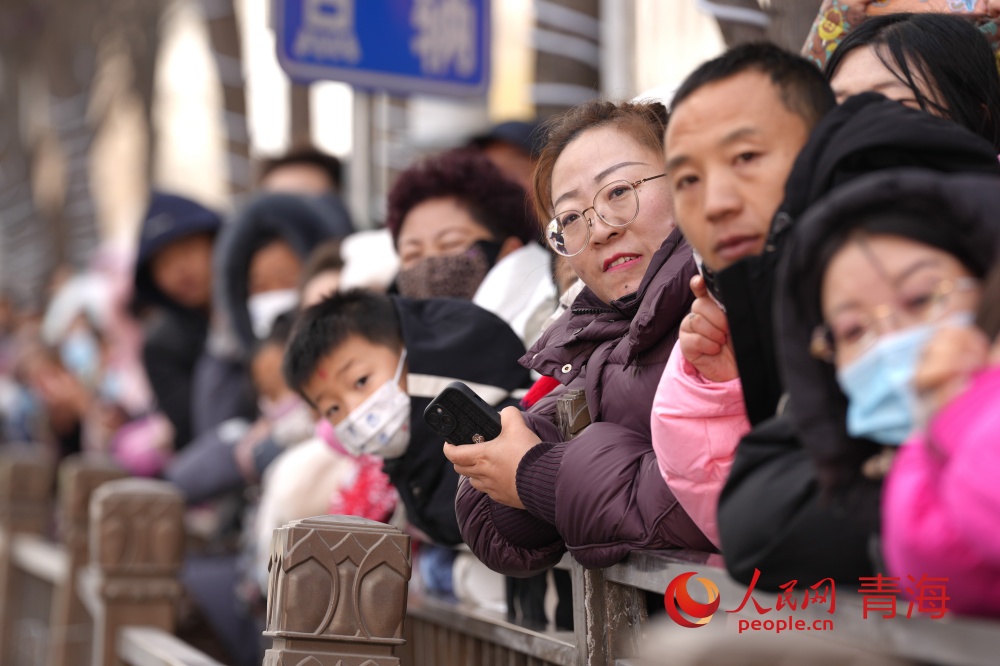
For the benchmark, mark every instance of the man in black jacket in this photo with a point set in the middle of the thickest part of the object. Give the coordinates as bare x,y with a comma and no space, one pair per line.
774,513
736,126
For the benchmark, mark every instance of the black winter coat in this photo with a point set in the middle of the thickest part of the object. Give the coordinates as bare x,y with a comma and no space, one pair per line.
174,340
773,512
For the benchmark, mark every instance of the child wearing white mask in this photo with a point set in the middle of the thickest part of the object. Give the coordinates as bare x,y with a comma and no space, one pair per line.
371,363
261,256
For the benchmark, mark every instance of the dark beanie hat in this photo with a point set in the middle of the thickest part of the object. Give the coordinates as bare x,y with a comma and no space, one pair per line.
888,204
923,222
493,201
169,218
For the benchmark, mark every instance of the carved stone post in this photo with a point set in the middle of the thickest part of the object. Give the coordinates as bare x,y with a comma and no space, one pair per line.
79,477
136,547
25,488
336,592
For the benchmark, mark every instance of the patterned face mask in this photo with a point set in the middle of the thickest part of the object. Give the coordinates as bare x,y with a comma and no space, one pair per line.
450,276
379,426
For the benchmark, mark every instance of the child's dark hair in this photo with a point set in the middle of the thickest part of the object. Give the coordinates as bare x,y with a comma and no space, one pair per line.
325,326
988,317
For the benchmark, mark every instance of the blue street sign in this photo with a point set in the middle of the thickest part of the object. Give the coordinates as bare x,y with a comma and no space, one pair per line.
400,46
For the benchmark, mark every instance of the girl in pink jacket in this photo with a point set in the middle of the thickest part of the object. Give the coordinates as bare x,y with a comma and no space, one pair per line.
941,502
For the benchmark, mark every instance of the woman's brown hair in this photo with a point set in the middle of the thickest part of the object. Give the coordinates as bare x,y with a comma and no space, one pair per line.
645,122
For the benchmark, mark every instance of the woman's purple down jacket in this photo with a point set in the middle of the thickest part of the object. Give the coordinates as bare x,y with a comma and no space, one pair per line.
600,495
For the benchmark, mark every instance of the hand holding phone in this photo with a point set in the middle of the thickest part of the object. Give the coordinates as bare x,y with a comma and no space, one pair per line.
492,467
460,416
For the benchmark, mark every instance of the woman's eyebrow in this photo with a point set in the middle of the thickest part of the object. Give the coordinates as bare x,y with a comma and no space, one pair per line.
843,307
607,172
597,179
929,262
448,230
564,195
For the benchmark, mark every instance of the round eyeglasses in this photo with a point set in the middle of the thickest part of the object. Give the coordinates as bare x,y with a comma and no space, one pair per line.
859,332
617,204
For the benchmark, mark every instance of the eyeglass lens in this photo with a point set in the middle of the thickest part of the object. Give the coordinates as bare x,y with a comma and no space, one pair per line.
616,204
855,332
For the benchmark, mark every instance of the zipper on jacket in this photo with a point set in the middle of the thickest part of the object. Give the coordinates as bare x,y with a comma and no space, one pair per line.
782,221
594,311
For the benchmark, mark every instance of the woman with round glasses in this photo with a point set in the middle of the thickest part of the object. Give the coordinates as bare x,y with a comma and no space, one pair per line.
577,471
877,269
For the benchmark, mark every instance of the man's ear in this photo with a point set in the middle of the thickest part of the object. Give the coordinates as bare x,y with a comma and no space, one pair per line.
509,245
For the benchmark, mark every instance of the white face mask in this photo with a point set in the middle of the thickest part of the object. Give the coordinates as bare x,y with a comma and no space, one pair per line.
265,307
380,425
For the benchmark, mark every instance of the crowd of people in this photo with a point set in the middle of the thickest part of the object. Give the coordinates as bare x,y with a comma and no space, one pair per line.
759,320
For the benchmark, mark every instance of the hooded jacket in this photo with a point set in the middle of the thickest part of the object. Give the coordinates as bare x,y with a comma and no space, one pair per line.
446,340
773,513
960,213
302,222
599,495
174,337
866,133
966,207
168,219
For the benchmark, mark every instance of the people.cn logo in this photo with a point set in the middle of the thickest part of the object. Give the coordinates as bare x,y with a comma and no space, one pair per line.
680,606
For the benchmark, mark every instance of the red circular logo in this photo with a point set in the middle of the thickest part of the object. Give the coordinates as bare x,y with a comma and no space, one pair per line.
677,600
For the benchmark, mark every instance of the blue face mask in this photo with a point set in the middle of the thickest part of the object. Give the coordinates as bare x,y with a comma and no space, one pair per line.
81,355
112,389
882,403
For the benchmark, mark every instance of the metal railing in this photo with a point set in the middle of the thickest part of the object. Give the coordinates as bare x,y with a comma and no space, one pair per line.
105,593
611,627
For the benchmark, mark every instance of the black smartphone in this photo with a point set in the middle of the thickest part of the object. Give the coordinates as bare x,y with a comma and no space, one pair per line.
462,417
